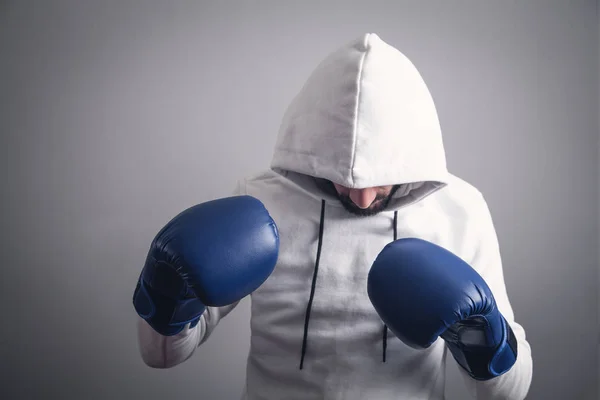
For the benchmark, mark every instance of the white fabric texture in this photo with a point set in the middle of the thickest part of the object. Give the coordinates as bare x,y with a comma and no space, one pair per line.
364,118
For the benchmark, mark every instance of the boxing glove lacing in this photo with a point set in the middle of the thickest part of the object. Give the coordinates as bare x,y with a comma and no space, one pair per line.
314,282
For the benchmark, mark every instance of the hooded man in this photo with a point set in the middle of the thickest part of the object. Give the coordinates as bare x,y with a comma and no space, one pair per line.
365,259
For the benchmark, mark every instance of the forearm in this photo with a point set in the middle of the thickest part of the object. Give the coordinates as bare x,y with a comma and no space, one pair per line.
513,384
159,351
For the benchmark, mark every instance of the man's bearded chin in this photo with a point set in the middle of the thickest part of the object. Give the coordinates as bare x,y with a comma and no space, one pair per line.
379,204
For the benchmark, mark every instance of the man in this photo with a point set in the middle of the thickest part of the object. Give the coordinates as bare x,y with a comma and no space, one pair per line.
365,259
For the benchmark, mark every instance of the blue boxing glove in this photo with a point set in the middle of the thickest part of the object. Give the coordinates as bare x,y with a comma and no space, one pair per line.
423,291
212,254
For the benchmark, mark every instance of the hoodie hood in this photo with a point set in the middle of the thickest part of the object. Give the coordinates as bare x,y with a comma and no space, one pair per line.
364,118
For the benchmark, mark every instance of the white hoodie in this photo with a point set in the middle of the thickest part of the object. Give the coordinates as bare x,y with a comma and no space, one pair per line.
364,118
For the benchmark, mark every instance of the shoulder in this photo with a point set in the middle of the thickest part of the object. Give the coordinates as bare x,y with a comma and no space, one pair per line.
462,204
267,186
261,182
249,183
461,190
467,225
460,194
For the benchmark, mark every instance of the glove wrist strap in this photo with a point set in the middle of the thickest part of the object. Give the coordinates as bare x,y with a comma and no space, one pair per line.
475,350
165,315
164,300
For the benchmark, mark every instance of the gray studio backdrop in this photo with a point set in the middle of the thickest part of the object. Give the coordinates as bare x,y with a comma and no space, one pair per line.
116,115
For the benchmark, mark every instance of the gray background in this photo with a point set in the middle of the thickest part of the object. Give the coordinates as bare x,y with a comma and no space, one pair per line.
116,115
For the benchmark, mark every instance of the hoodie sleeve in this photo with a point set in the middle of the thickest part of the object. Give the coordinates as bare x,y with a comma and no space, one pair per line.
158,351
515,383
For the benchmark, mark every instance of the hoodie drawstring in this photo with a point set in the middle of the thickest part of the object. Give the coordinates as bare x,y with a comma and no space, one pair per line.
314,282
385,328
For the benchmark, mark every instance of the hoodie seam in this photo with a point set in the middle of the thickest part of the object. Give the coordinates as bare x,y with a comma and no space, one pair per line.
356,110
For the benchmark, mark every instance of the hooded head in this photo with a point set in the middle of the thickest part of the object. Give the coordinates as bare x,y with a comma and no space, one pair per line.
363,119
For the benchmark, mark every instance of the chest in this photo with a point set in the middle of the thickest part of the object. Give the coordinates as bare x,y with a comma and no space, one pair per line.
331,256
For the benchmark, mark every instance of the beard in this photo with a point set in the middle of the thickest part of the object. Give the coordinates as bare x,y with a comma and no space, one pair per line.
379,204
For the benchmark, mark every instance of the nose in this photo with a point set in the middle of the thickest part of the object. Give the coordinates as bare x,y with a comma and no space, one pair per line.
363,198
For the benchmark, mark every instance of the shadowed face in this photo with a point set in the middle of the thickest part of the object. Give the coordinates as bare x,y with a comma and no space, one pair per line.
365,202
